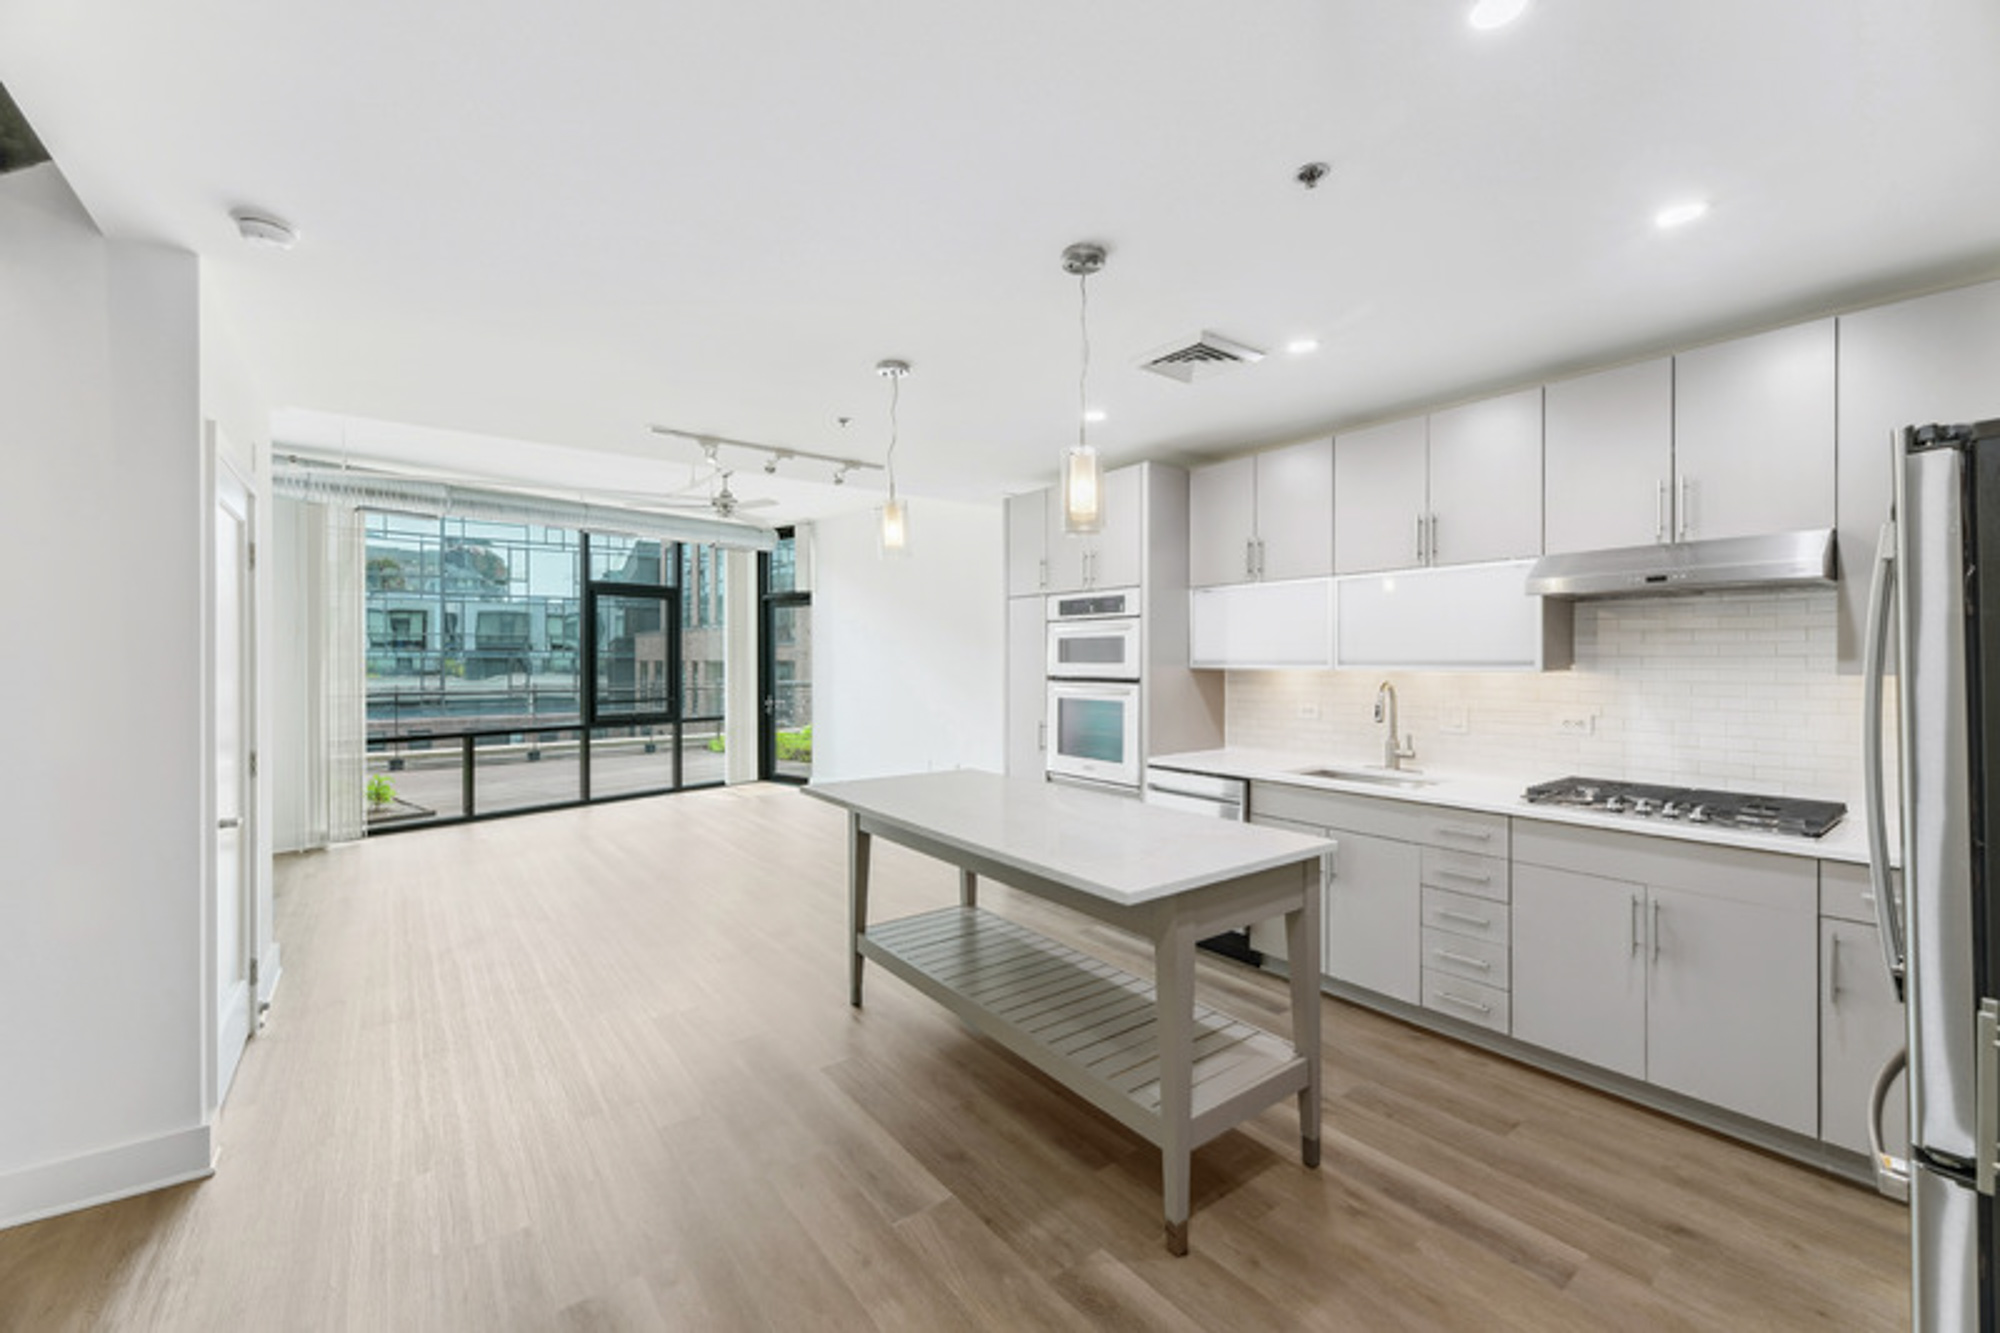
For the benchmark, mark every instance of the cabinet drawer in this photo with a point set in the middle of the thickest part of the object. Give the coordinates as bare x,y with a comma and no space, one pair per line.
1846,894
1465,872
1475,960
1460,914
1465,831
1468,1000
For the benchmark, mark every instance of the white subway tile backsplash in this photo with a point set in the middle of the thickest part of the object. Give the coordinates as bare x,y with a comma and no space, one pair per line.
1728,689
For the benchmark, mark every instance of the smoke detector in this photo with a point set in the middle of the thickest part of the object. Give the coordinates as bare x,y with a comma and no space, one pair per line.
261,229
1204,356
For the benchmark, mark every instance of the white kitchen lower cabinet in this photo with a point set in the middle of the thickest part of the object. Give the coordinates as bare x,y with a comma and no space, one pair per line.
1726,1018
1373,916
1580,967
1696,974
1861,1022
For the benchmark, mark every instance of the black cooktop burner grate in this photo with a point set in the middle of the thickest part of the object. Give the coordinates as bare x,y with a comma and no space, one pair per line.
1692,805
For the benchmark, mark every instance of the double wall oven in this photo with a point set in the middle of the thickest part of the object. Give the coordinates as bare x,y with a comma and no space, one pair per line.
1094,650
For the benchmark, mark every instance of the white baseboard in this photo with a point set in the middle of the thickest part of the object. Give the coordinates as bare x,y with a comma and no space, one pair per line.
270,966
35,1192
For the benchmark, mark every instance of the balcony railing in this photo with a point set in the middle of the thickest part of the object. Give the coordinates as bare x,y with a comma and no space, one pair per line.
446,776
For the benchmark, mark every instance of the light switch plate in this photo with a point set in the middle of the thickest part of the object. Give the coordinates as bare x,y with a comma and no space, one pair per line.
1577,722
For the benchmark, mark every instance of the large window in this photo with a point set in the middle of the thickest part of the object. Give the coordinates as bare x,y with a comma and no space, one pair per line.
515,666
785,667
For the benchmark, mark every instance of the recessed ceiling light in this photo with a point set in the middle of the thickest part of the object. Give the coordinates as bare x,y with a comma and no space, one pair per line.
1679,215
1489,14
1095,414
262,229
1300,346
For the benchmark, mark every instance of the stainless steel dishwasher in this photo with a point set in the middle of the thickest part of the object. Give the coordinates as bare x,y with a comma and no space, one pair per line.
1219,798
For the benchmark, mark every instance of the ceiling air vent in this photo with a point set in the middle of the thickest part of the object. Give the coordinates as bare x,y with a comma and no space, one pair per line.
1201,357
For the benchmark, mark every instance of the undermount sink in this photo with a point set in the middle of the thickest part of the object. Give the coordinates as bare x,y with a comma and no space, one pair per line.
1387,777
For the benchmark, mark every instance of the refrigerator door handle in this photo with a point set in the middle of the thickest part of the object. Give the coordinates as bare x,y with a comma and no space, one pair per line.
1985,1105
1881,597
1892,1174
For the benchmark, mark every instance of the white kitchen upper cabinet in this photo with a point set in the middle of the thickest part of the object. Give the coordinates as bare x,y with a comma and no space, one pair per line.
1465,618
1295,511
1222,522
1380,496
1608,449
1027,692
1262,625
1028,543
1110,558
1263,516
1579,967
1935,358
1754,434
1486,480
1731,1018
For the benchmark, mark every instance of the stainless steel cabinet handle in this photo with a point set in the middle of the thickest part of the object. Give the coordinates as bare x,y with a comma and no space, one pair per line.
1042,735
1445,872
1833,969
1420,539
1483,922
1462,959
1250,558
1463,831
1637,930
1463,1003
1986,1107
1260,557
229,822
1656,930
1681,512
1042,572
1660,511
1431,545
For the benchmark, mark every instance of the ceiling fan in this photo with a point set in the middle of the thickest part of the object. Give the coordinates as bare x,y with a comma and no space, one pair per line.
720,500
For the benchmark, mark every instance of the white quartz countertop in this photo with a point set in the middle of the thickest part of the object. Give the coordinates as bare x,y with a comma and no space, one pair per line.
1847,841
1112,847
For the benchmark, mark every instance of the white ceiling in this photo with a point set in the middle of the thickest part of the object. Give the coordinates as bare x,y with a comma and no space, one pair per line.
535,229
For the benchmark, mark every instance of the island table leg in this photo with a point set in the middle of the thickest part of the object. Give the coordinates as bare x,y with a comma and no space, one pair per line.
968,888
1302,947
1173,971
859,843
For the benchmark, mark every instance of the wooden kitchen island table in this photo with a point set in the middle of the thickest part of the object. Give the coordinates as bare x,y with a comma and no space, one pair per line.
1174,1072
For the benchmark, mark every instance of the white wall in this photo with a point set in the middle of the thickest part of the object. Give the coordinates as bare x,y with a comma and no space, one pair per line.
101,526
909,654
1730,689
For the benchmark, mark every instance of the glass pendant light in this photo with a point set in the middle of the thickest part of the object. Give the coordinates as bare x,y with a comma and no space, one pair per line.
1082,471
895,529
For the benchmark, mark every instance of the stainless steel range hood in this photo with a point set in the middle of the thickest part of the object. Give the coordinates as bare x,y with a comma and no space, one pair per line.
1784,559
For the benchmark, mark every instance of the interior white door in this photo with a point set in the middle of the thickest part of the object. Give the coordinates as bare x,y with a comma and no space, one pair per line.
235,881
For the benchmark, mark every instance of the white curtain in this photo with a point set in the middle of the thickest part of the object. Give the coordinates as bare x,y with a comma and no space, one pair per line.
339,646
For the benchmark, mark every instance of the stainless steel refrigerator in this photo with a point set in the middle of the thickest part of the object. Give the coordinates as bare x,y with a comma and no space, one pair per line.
1937,585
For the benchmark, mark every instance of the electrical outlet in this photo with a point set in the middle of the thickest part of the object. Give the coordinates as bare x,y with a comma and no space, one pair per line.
1577,722
1309,712
1451,720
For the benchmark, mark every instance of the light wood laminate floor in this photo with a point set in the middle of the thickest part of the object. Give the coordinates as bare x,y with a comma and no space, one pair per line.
596,1069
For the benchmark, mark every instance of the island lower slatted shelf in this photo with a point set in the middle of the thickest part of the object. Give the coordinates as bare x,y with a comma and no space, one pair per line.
1084,1022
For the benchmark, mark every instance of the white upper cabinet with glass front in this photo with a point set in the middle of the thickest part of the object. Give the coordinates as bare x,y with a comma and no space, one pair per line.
1266,516
1754,434
1609,445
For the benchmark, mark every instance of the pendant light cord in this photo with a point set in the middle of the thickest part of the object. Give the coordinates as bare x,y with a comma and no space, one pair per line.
889,463
1083,374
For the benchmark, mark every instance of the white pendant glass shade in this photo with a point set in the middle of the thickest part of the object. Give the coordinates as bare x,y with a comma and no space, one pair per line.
1082,490
895,527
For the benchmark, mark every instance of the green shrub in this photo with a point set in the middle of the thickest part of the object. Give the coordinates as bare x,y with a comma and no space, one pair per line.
796,746
380,790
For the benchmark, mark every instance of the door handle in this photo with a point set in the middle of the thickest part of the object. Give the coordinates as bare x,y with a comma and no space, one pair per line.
1874,782
229,822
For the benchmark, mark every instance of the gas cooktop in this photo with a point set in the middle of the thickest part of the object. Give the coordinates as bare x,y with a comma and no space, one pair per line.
1692,805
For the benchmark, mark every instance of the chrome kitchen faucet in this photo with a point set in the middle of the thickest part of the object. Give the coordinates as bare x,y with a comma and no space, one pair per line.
1393,754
